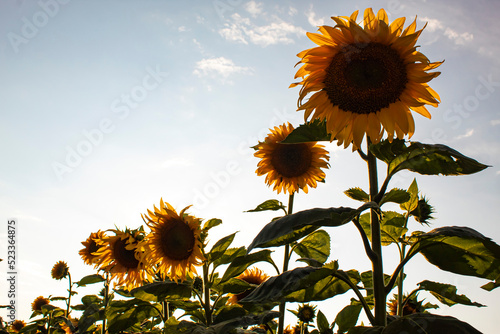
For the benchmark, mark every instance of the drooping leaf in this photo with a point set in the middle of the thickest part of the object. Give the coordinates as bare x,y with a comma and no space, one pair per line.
460,250
159,291
308,132
357,194
90,279
269,205
392,226
427,159
395,195
220,247
446,293
348,317
241,263
295,226
418,323
315,246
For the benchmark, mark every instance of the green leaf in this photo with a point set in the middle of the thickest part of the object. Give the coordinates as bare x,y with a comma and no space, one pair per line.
269,205
159,291
229,255
228,313
392,226
241,263
427,159
418,323
295,226
366,330
446,293
234,286
348,317
395,195
90,279
491,285
412,202
308,132
460,250
220,247
357,194
315,246
211,223
367,280
128,314
322,322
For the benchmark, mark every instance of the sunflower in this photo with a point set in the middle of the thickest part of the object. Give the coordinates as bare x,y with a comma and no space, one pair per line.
17,325
365,80
67,327
59,270
92,245
37,304
121,258
290,167
253,276
174,245
306,313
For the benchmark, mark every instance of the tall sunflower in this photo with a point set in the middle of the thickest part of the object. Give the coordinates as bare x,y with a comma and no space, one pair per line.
92,245
174,245
290,167
37,304
365,80
121,258
59,270
253,276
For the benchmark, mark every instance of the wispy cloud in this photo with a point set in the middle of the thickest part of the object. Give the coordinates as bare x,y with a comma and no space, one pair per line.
242,30
435,25
254,8
220,68
468,134
495,122
312,19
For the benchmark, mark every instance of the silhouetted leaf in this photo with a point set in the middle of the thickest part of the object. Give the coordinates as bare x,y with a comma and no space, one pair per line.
348,317
308,132
159,291
418,323
446,293
269,205
90,279
220,247
315,246
241,263
392,226
395,196
357,194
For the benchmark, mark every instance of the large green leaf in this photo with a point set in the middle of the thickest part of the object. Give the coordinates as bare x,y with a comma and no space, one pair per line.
293,227
241,263
125,314
419,323
229,255
428,159
159,291
269,205
220,247
90,279
308,132
348,317
446,293
315,246
460,250
395,196
392,226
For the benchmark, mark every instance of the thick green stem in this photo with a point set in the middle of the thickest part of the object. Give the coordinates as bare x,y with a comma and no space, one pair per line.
68,302
106,301
206,294
377,265
281,320
401,278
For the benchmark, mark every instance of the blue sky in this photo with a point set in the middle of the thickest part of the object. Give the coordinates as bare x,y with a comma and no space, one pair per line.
108,106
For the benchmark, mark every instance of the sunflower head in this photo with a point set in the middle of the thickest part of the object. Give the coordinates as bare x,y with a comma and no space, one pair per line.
253,276
365,79
17,325
121,256
92,245
37,304
290,167
174,245
306,313
59,270
423,212
411,306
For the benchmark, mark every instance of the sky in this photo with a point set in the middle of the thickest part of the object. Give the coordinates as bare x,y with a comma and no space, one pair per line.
108,106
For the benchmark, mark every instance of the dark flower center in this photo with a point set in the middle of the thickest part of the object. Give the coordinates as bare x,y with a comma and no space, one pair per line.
291,160
177,240
125,257
92,247
365,77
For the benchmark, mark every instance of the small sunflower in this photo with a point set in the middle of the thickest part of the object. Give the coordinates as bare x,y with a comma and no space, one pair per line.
253,276
92,245
121,258
290,167
306,313
174,245
59,270
37,304
365,80
17,325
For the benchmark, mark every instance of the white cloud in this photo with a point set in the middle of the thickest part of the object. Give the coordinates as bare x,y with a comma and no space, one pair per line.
253,8
495,122
468,134
434,25
242,30
181,29
292,11
311,18
219,67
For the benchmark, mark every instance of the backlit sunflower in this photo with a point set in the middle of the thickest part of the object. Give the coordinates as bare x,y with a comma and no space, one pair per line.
174,245
17,325
365,80
121,258
59,270
37,304
92,245
253,276
290,167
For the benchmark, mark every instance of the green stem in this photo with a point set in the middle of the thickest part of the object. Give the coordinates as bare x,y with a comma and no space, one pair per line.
68,302
281,320
206,294
377,265
400,283
106,300
344,277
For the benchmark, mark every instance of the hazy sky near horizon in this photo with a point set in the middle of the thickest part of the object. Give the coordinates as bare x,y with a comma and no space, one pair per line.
108,106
